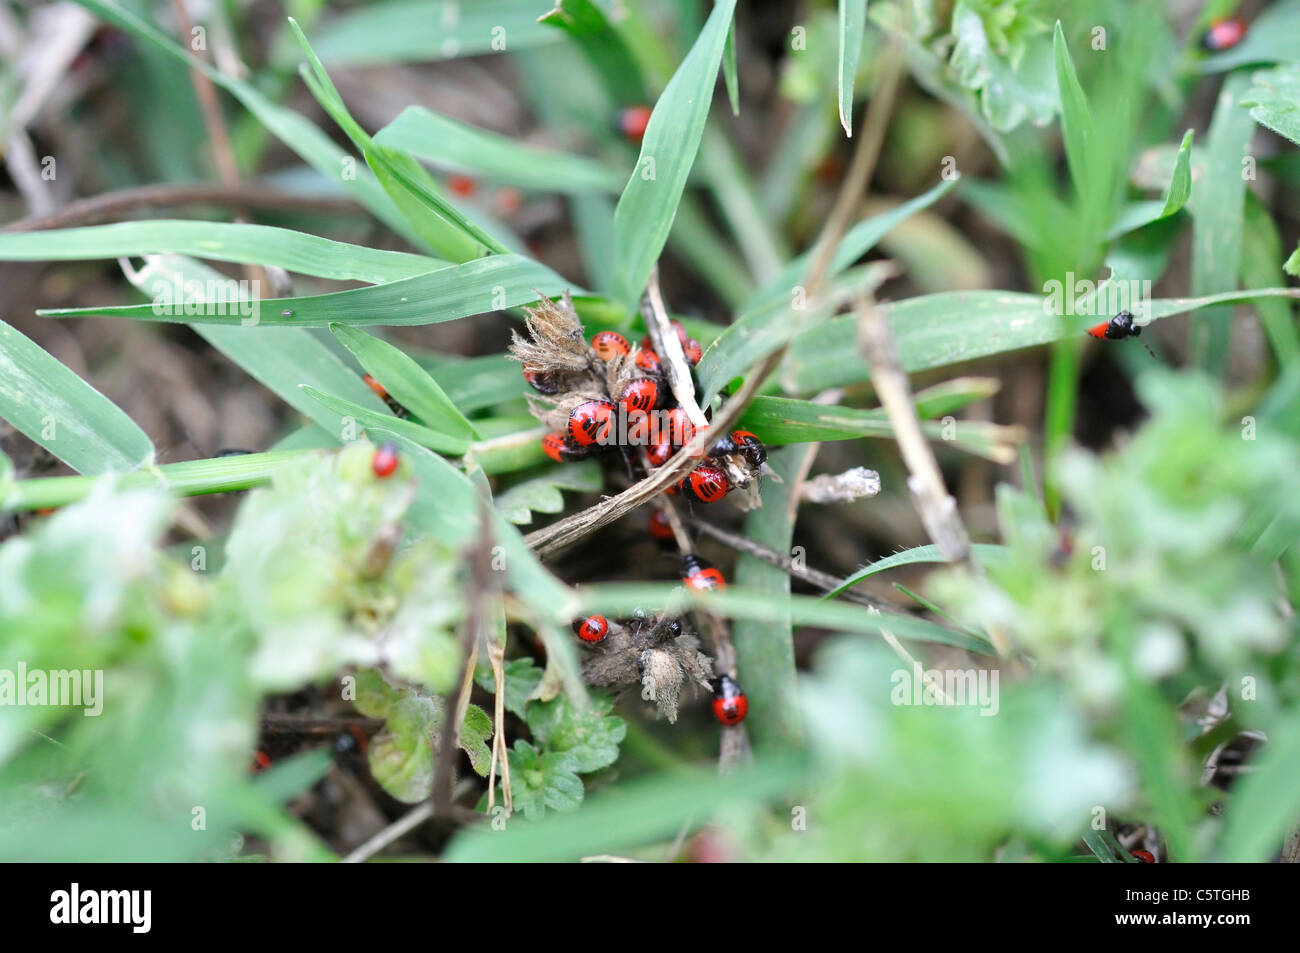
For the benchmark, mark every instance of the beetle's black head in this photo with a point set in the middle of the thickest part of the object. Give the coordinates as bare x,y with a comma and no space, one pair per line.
1121,326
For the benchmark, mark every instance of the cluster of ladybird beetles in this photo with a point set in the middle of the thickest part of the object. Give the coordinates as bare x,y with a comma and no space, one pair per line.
591,423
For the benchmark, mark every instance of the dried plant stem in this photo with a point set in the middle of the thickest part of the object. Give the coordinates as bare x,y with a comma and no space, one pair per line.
476,624
684,542
669,348
407,823
934,504
222,153
500,754
815,577
937,508
402,826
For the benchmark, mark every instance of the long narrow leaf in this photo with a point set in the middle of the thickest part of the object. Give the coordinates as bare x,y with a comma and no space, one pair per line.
54,407
408,383
853,23
457,291
953,327
221,241
645,212
457,146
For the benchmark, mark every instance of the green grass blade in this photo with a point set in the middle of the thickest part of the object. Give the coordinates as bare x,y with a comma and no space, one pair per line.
1077,126
406,381
1151,733
55,408
604,48
1274,100
1100,847
457,291
953,327
782,420
426,31
733,190
364,417
853,24
1176,195
1261,257
986,554
736,602
457,146
765,649
221,241
443,226
1218,220
479,381
188,478
1265,803
729,70
645,211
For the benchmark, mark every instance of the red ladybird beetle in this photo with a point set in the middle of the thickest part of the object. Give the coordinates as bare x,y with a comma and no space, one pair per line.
701,575
1224,34
680,429
742,442
648,361
383,394
1145,856
660,449
463,185
541,381
706,484
631,123
609,344
693,351
560,450
592,629
730,706
384,462
640,395
507,201
590,421
261,761
659,526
